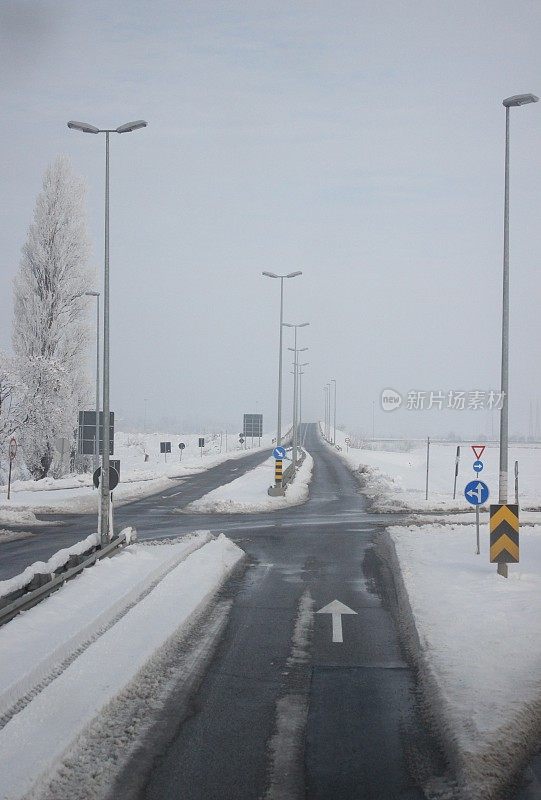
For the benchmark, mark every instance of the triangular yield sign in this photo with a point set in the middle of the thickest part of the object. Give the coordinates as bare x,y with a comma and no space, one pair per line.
478,449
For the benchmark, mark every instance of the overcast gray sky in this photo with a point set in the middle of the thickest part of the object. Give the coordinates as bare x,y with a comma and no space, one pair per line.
361,142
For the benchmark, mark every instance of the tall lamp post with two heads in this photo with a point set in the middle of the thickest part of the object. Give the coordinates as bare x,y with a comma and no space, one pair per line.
105,500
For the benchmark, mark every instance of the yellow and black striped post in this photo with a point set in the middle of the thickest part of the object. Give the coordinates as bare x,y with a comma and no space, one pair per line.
504,536
278,472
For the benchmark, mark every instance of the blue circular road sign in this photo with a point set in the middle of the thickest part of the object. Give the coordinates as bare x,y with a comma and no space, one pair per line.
478,466
476,493
279,453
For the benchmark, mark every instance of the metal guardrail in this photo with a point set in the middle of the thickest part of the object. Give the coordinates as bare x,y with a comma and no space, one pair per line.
32,598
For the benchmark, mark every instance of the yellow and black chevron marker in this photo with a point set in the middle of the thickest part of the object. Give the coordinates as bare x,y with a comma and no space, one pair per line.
504,542
278,471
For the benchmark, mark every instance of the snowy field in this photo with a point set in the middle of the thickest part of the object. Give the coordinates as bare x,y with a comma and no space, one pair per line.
122,613
75,493
476,639
394,480
248,493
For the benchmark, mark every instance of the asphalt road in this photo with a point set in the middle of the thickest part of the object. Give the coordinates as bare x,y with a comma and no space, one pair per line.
153,516
283,711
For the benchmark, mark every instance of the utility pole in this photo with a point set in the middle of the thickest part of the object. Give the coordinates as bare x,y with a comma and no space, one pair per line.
97,429
510,102
295,431
105,498
333,380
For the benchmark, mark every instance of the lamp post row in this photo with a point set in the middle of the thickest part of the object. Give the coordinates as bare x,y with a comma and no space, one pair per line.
105,532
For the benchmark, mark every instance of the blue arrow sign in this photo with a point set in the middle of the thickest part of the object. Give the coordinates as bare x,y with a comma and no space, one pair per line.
476,493
478,466
279,453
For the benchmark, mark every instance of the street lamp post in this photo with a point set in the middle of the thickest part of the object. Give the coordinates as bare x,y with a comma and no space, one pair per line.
297,378
97,433
295,432
301,373
281,278
509,102
105,500
328,387
333,380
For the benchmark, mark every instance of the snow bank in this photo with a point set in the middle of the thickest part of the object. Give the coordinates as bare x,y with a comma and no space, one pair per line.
248,493
475,639
40,639
56,561
18,516
36,739
11,536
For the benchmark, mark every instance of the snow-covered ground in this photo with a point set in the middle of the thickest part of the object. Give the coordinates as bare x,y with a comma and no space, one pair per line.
475,637
138,477
248,493
76,652
395,479
38,641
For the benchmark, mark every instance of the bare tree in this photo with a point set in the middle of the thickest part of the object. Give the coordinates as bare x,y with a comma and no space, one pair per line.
50,333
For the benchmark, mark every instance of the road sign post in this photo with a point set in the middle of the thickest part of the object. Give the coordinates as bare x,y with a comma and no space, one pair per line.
516,483
476,493
201,445
181,447
457,462
12,453
165,447
427,465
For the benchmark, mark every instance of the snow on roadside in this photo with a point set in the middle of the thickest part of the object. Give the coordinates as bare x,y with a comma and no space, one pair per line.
475,639
139,478
12,536
57,560
394,478
35,740
38,640
248,493
18,517
473,635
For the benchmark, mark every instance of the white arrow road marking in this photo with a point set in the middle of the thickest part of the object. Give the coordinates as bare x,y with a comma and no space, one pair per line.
336,608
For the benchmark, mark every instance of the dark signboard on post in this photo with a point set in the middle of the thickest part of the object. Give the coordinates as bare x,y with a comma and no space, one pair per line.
87,433
253,425
114,476
165,447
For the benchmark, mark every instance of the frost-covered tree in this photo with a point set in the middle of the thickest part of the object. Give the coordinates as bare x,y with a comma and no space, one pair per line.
50,334
9,395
